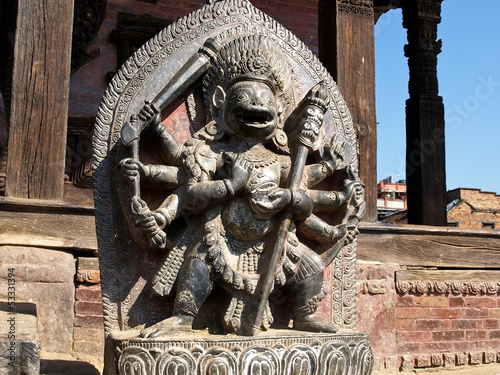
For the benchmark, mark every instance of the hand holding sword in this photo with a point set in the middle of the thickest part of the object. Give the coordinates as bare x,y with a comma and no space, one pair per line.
191,71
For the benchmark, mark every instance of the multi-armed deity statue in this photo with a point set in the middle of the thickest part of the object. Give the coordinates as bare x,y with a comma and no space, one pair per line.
253,193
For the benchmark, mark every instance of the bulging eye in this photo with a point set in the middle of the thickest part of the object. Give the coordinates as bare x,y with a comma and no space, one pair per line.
242,96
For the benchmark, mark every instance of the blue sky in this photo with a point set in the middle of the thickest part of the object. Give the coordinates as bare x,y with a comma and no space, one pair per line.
469,82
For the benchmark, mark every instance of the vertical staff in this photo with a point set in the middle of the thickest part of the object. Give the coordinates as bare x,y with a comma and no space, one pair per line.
276,251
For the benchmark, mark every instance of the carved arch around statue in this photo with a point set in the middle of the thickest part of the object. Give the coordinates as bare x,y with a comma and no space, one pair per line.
126,270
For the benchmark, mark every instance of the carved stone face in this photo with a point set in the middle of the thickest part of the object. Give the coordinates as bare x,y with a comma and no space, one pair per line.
251,109
310,127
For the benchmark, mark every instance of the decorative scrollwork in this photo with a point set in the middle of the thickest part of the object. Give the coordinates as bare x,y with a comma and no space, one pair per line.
259,360
218,361
335,359
135,361
363,359
300,360
175,361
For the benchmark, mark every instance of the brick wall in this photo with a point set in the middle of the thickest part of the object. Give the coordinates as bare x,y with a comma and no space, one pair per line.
421,322
473,208
88,334
89,82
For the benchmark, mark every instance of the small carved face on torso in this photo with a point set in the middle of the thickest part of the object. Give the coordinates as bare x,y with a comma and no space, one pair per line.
249,108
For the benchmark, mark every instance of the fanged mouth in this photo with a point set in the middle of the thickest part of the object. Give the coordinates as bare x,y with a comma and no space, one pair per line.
308,137
255,118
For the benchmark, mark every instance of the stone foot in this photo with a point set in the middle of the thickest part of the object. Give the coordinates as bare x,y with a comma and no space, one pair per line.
313,323
170,326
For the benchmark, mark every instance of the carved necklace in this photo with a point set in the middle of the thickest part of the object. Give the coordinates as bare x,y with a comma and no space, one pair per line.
260,157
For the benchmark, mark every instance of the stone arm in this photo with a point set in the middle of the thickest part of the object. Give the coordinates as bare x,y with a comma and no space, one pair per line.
209,193
164,176
315,173
325,234
171,149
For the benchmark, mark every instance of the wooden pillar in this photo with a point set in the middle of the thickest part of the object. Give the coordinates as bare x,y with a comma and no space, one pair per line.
346,48
39,106
425,147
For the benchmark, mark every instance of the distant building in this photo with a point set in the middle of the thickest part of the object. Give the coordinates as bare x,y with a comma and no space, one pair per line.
391,197
473,208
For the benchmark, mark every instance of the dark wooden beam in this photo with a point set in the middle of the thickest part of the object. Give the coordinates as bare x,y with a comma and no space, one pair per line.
425,146
427,246
39,106
346,48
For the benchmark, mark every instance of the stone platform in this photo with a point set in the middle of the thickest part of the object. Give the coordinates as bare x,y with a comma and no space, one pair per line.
276,352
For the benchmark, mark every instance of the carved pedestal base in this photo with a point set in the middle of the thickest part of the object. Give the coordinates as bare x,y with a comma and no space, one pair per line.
274,353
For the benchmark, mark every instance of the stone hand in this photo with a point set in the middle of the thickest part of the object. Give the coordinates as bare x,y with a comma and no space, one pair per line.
273,202
150,223
355,191
132,168
149,114
352,232
280,198
241,170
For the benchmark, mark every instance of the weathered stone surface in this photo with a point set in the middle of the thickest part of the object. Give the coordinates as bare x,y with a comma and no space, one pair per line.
45,277
19,341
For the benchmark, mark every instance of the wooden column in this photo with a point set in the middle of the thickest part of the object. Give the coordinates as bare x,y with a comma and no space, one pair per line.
39,106
346,48
425,147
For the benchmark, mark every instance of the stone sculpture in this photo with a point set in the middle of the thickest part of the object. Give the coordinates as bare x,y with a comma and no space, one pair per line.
234,182
258,198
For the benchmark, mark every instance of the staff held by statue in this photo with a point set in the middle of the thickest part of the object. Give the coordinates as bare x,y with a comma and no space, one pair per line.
306,124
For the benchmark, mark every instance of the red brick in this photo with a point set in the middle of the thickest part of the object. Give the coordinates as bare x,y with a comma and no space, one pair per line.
406,324
457,301
412,312
409,347
481,302
476,335
432,324
490,323
441,346
495,313
446,313
448,335
413,336
88,308
406,301
466,323
495,334
461,346
475,313
432,301
88,294
90,321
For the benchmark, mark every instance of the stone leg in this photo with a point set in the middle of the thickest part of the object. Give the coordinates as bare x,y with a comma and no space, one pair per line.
305,297
195,286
